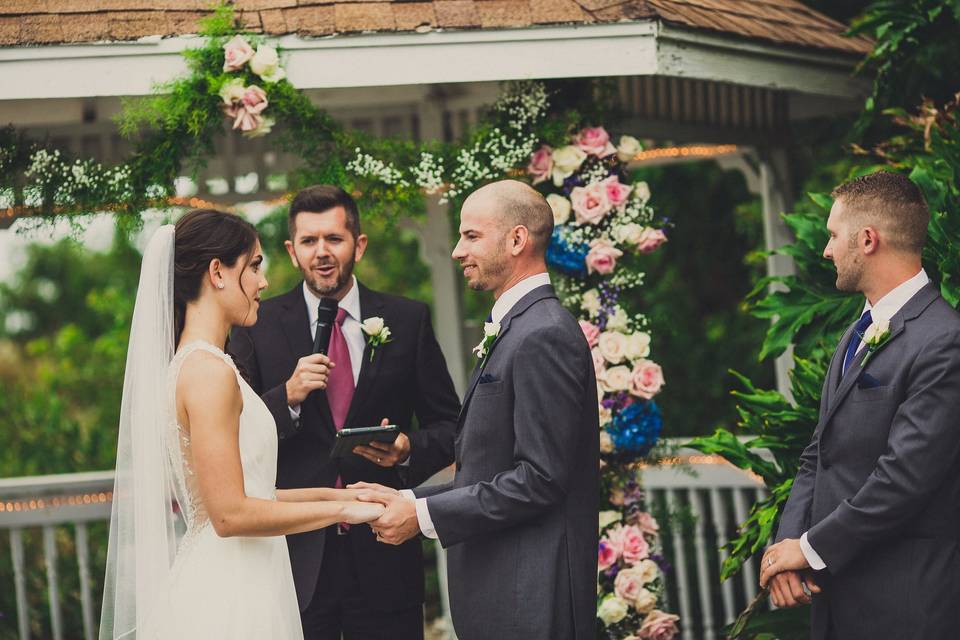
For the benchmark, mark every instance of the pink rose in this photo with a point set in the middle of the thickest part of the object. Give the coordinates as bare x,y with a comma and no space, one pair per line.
647,379
617,192
628,585
595,141
658,626
607,555
243,118
590,332
629,539
541,164
602,257
255,99
650,239
647,524
590,203
236,53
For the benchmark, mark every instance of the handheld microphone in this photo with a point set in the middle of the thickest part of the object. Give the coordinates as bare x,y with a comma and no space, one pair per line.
326,316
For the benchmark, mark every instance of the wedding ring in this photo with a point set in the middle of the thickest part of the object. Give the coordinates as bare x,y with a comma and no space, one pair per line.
769,562
379,459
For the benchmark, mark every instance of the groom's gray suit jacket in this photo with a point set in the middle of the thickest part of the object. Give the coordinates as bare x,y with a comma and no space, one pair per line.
520,518
879,486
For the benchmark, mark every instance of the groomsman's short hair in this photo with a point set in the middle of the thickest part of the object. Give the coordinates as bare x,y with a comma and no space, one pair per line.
320,198
891,201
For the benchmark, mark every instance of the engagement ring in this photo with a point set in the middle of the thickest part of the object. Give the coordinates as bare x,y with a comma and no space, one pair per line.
769,562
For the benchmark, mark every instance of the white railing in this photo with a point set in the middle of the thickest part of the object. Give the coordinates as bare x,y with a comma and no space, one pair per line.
705,497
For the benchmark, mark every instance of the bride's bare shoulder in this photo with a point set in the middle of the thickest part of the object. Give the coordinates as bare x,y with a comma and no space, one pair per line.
205,379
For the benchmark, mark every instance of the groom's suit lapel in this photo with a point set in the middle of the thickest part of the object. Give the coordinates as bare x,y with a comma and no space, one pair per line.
914,307
540,293
371,304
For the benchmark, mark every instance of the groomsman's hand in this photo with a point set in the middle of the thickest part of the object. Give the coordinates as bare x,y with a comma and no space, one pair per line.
786,555
399,523
311,374
792,588
383,453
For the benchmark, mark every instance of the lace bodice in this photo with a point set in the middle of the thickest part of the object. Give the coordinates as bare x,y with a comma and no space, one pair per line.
258,443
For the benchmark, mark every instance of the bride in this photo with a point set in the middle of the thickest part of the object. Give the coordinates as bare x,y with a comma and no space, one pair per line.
195,438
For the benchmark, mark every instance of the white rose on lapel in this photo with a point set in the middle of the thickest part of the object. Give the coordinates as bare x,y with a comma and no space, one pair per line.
378,333
490,332
875,337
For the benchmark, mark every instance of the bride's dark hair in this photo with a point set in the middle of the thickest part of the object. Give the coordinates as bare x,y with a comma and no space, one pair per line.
200,236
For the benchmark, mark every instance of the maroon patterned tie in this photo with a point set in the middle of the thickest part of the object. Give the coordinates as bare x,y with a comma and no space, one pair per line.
340,385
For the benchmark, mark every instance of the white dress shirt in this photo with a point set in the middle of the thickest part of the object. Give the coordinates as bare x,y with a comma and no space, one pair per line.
885,309
501,308
352,332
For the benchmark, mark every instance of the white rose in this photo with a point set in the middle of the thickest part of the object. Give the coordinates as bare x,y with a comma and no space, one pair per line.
606,444
612,610
628,148
627,233
591,302
566,160
876,330
232,91
372,326
613,346
560,206
491,328
266,64
641,191
618,320
645,601
648,570
607,518
600,392
617,378
638,345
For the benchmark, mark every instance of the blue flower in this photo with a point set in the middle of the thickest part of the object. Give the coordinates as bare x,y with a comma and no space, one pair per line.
566,257
636,429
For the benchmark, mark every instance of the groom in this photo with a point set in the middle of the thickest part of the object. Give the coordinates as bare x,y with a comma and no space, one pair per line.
872,525
520,518
346,582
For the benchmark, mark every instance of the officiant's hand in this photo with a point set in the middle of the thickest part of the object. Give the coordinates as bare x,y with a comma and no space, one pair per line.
386,454
786,555
311,374
398,523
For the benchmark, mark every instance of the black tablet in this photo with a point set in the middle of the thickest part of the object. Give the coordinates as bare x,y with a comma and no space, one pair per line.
347,439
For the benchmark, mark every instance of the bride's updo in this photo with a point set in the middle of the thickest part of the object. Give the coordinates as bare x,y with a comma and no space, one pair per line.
199,237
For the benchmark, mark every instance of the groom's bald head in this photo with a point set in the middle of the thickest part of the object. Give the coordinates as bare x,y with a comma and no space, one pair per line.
513,203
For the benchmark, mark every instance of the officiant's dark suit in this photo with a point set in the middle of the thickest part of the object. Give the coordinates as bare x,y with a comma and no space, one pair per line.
379,587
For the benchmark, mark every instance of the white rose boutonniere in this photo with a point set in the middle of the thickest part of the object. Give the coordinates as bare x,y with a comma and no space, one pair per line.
490,332
378,333
876,335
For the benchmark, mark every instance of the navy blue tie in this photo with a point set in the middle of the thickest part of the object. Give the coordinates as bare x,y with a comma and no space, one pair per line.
865,321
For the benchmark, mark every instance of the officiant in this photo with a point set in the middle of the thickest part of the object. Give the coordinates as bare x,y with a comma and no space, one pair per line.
383,362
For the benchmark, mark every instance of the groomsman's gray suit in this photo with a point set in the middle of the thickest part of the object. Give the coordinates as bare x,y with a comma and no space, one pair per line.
878,489
520,518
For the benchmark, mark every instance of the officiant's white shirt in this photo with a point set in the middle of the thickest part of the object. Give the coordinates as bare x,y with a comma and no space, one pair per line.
501,308
886,308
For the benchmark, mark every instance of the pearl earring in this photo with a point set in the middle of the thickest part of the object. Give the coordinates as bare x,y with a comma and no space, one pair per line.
220,285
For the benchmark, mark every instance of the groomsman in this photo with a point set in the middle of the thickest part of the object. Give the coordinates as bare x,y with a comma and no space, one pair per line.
347,583
871,531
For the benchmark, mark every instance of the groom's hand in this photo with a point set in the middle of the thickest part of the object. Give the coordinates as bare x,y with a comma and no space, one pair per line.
383,453
398,523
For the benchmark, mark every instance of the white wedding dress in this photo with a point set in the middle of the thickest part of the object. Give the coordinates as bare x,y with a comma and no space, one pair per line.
229,588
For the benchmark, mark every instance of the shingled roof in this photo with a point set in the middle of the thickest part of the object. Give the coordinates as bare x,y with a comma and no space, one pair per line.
43,22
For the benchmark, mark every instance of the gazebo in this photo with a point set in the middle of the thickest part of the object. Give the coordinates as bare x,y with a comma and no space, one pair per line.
719,80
